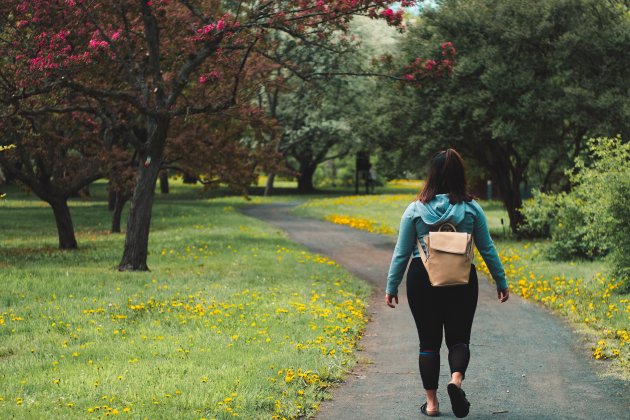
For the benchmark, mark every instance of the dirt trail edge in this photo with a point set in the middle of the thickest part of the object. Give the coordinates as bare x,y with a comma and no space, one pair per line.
525,363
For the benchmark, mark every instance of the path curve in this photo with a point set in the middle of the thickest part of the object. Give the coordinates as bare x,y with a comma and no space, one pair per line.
525,362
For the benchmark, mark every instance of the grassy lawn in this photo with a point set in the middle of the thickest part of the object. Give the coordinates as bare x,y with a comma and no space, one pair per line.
579,290
233,320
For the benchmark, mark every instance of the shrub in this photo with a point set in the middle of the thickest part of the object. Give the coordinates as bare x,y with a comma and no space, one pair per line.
571,230
620,232
590,221
539,212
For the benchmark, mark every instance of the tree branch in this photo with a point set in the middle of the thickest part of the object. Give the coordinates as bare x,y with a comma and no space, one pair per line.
181,80
152,36
100,93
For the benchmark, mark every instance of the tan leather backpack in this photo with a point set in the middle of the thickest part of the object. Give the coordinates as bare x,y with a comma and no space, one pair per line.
448,257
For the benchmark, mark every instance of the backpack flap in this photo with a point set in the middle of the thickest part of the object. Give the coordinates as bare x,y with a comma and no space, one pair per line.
451,242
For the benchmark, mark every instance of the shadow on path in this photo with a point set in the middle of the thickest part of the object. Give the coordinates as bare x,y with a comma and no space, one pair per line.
525,363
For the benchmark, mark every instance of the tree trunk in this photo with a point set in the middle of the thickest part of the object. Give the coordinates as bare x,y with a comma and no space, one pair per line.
269,186
137,237
514,212
65,228
305,178
164,187
121,199
509,182
507,176
111,200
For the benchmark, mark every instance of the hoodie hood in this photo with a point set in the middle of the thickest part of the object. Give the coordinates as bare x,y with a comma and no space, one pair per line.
440,210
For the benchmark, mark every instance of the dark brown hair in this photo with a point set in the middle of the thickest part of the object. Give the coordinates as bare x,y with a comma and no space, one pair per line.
447,175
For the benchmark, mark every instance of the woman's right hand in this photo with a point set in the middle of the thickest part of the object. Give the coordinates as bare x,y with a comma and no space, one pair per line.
503,295
390,299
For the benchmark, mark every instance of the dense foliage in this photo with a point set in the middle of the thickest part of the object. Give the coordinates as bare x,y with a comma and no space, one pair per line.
592,219
173,83
532,81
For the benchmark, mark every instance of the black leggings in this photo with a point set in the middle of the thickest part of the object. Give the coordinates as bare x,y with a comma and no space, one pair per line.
434,309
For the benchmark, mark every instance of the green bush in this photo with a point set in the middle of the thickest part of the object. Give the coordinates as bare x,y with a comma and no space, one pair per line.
589,221
620,232
571,232
539,212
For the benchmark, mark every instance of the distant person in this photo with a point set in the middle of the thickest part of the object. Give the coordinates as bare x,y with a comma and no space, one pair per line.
443,199
370,180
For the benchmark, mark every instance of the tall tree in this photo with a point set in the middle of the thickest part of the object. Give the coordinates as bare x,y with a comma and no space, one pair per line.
325,105
317,122
532,80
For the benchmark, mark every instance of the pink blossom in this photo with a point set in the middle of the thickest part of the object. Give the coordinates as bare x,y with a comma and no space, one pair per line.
387,13
220,25
95,44
203,79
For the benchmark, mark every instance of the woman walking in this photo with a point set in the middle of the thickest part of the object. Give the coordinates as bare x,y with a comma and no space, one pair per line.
436,310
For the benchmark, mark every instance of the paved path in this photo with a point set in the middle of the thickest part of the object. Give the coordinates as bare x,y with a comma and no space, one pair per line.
525,363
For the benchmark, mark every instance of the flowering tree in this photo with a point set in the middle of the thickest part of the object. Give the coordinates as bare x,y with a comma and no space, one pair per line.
162,60
55,158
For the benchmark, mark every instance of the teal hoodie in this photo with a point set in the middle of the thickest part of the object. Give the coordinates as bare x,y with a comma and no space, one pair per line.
420,217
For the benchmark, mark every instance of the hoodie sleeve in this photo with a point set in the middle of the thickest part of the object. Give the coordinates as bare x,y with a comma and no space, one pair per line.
404,248
488,251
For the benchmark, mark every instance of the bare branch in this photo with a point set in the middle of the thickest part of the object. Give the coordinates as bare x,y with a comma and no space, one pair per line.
237,77
195,12
57,110
208,109
181,80
112,94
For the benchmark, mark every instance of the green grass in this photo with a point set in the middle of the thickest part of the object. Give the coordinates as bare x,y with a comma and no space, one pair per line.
578,290
233,319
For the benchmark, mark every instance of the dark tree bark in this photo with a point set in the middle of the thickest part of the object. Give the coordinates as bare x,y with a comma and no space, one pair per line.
65,228
508,179
137,237
119,204
164,186
507,170
269,185
305,177
111,200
